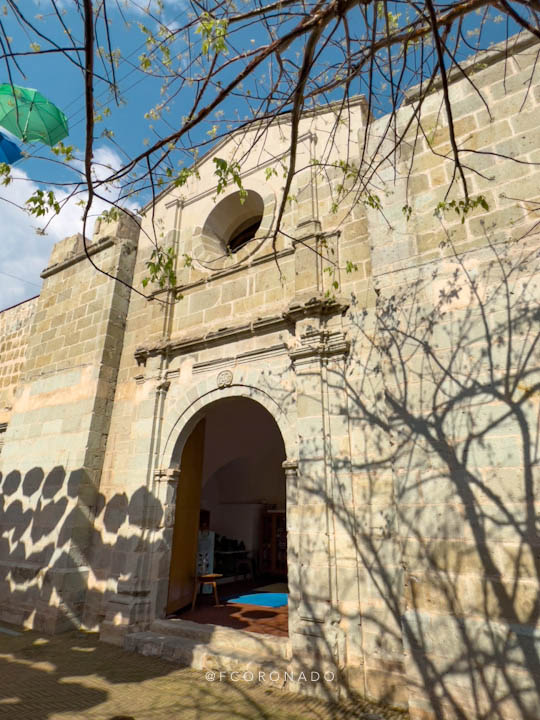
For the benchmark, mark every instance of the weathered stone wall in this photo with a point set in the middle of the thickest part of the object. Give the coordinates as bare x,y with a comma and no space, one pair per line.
15,324
408,404
443,403
411,552
52,459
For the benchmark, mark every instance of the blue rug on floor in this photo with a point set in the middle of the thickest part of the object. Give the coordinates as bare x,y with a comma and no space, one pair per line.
273,600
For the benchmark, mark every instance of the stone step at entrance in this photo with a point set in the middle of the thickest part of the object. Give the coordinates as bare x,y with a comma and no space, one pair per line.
218,637
212,647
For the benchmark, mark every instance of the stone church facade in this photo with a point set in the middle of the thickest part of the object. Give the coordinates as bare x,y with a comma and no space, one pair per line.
396,357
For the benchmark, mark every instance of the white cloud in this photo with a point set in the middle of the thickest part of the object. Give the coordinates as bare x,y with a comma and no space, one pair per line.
23,252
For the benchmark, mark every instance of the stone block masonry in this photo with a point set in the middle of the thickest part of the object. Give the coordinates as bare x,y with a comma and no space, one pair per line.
408,404
56,437
15,326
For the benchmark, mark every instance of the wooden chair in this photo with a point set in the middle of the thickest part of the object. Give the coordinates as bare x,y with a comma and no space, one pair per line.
200,581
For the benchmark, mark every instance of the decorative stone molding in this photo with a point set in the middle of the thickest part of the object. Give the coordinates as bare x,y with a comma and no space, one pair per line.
322,345
290,467
231,334
291,472
309,228
209,242
315,307
318,341
187,407
249,356
167,479
163,385
167,475
175,202
217,275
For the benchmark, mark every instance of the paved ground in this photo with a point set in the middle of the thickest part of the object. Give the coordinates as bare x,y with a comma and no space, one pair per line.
75,677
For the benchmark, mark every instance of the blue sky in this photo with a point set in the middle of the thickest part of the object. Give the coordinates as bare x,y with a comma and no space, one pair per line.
23,253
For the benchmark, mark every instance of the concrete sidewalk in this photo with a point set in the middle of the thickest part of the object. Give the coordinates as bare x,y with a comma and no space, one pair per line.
74,676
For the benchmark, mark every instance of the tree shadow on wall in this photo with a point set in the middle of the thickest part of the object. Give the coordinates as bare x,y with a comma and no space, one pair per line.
434,513
53,514
440,501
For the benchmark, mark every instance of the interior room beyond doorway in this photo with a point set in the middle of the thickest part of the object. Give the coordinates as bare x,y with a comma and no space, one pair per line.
241,520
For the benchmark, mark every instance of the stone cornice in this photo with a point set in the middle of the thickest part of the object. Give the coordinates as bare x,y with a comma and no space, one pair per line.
249,356
216,275
102,244
496,53
314,307
327,345
214,337
252,261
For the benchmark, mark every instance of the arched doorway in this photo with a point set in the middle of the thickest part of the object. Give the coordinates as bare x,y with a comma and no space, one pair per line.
230,517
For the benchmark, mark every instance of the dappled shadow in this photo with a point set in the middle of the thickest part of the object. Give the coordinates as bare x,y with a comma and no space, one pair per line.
76,675
418,547
416,562
73,672
445,385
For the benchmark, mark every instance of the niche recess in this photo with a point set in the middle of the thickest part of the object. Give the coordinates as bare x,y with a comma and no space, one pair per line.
225,238
233,223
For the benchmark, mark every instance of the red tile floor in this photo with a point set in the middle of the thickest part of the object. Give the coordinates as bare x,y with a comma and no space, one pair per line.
269,621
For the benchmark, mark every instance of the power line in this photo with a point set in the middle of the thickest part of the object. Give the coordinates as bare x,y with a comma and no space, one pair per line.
15,277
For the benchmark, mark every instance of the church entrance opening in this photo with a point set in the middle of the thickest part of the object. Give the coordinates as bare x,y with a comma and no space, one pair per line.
230,521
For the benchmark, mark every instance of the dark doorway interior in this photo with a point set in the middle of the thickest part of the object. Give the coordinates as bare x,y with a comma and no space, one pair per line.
240,518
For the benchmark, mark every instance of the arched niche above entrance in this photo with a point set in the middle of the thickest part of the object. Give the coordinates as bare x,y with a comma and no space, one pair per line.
234,229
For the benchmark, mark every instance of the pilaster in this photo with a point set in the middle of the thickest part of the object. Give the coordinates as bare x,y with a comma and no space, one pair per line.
318,353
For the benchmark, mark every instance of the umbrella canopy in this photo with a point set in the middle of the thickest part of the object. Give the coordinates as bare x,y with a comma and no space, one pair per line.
29,115
9,152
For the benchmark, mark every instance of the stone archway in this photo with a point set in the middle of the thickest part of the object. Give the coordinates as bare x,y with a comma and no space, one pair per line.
184,414
178,435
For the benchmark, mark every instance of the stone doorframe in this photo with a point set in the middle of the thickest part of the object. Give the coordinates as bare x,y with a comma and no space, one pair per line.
169,475
310,405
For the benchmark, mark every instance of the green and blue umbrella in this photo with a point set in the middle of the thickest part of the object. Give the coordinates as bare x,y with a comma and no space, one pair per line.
27,114
9,152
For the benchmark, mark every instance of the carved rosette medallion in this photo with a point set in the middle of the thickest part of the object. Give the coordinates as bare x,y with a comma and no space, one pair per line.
224,379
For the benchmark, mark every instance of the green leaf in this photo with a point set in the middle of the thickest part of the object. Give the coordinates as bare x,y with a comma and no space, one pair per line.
160,268
461,207
111,215
40,203
213,33
5,173
229,172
